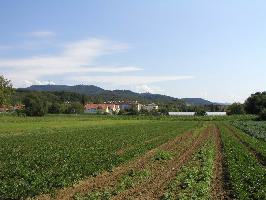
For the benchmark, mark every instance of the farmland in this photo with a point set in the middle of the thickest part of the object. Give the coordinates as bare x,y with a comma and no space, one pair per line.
101,157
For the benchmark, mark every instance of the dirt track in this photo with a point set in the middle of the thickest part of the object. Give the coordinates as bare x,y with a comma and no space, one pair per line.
219,180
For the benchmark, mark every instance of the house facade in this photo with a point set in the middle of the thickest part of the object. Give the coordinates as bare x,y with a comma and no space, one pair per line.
150,107
5,108
128,106
101,108
112,108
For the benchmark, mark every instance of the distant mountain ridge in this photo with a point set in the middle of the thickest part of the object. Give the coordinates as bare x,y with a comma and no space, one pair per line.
93,90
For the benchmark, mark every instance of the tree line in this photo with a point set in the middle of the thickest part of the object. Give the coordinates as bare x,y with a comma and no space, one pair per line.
39,103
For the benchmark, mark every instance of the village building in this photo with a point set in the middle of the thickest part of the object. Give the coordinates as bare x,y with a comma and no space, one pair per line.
115,107
101,108
130,105
5,108
150,107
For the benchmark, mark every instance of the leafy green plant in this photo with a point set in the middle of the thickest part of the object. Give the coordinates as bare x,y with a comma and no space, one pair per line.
130,179
127,181
162,155
247,176
253,128
193,180
38,155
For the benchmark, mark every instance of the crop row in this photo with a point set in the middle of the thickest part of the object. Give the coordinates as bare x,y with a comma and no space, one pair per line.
256,144
46,159
194,179
138,177
247,176
253,128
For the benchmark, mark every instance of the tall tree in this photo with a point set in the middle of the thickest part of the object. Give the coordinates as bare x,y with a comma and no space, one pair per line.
235,109
34,105
6,90
256,103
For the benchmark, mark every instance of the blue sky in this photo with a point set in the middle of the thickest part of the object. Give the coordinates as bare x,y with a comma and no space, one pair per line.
209,49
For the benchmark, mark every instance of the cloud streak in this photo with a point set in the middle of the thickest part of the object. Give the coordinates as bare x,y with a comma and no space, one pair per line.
129,80
42,34
76,63
76,57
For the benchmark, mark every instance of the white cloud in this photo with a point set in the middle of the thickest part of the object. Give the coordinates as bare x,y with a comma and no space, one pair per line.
148,89
129,80
42,34
38,82
76,63
75,58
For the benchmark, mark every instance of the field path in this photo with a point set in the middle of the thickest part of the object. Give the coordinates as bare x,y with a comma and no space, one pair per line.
163,174
109,179
220,181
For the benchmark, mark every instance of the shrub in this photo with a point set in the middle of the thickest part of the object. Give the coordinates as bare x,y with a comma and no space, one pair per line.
235,109
200,112
34,106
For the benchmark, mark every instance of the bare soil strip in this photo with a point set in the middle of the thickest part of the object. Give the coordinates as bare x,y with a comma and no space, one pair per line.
260,158
162,174
220,183
109,179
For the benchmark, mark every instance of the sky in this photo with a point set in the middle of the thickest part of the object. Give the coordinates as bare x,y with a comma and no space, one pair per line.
210,49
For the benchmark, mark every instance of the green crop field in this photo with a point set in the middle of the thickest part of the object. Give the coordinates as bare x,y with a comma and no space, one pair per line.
105,157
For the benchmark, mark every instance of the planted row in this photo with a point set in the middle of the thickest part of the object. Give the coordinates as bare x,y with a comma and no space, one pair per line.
253,128
247,176
193,181
254,143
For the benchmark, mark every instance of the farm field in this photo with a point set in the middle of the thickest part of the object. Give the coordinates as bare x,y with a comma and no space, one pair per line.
86,157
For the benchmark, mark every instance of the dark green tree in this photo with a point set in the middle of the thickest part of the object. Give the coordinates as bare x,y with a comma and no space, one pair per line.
262,115
235,109
255,103
200,112
34,106
75,108
54,108
84,100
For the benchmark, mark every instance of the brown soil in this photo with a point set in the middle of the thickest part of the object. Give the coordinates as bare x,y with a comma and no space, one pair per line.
162,174
109,179
219,177
260,158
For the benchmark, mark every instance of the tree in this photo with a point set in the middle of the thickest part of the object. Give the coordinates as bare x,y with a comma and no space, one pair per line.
262,115
54,108
235,109
84,100
74,108
34,106
200,112
163,111
255,103
6,90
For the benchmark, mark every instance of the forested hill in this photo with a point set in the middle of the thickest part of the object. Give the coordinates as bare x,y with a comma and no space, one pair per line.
98,93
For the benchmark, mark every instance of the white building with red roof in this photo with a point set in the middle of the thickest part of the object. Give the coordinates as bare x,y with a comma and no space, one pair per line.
101,108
